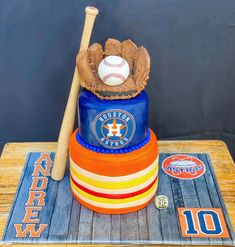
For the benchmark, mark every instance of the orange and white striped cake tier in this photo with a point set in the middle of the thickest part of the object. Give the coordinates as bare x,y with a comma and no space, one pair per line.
114,183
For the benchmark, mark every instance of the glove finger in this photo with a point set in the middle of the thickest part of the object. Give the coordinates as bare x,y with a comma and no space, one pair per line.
85,71
128,50
95,56
113,47
141,68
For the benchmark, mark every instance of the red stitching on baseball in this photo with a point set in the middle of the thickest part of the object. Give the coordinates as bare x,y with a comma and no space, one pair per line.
114,65
115,75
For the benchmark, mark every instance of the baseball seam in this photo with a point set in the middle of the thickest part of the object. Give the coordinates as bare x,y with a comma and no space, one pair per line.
118,65
115,75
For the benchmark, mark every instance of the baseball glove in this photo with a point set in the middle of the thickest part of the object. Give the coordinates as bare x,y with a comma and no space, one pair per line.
137,58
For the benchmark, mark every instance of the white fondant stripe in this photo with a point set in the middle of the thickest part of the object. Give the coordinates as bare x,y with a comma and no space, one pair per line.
120,205
114,179
112,191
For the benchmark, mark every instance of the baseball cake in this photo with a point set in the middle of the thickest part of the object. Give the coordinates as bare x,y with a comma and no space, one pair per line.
113,153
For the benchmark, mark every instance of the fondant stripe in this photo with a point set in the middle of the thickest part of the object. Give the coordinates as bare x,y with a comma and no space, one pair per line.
112,191
114,201
112,210
115,185
114,164
113,179
113,196
116,205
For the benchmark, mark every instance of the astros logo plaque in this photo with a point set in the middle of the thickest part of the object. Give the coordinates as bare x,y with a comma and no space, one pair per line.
183,166
114,129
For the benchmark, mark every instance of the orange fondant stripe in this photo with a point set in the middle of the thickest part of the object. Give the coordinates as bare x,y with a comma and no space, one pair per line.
115,185
116,202
112,191
113,179
114,164
113,196
111,210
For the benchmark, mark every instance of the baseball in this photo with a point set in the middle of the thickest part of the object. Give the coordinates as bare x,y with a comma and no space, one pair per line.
113,70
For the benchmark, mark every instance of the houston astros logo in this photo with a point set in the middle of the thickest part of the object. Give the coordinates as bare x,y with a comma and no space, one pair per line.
183,166
114,128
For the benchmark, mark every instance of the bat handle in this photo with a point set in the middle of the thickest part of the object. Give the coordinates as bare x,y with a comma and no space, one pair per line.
67,125
91,13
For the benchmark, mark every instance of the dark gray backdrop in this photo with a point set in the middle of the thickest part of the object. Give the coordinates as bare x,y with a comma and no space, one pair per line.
192,47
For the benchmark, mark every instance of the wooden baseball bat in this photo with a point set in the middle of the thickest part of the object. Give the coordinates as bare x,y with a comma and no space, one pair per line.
67,126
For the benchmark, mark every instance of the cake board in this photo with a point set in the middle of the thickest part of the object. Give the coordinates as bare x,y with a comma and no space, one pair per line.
81,225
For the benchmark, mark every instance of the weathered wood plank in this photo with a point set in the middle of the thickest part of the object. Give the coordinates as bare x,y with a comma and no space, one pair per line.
59,227
217,200
9,233
154,225
85,226
205,199
169,216
22,197
143,225
46,213
129,228
115,229
191,200
74,222
101,228
176,192
178,199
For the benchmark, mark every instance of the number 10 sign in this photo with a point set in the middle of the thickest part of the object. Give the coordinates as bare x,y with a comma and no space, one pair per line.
202,222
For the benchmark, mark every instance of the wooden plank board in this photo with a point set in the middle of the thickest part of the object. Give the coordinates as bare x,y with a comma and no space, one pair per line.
101,228
190,200
60,221
217,201
21,198
115,229
129,228
168,217
133,228
74,221
204,198
85,226
143,226
154,229
140,233
21,204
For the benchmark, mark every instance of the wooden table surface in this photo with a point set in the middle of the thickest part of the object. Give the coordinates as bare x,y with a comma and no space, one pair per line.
14,156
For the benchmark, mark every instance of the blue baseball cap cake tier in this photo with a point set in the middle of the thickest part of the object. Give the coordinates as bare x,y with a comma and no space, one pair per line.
113,153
